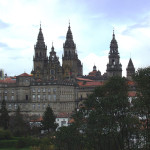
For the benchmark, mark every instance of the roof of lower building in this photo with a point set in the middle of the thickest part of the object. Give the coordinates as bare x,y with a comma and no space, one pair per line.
25,75
8,80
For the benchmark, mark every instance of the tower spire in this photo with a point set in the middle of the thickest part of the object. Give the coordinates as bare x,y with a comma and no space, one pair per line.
113,45
130,69
69,43
52,49
113,34
40,40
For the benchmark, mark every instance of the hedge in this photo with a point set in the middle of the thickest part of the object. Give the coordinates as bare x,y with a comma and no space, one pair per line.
8,143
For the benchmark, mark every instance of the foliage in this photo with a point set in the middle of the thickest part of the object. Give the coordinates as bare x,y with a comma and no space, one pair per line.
69,138
106,121
48,122
17,124
8,143
4,117
142,102
5,134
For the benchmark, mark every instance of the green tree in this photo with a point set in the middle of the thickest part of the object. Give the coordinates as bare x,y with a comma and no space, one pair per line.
142,102
48,122
4,116
18,125
68,138
107,117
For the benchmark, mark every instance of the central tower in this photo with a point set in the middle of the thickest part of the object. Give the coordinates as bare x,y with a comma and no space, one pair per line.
71,65
114,67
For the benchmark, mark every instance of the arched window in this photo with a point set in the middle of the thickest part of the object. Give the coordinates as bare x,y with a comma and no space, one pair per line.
113,62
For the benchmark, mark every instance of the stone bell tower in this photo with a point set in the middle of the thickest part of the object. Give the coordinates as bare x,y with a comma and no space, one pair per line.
40,59
114,67
71,65
130,70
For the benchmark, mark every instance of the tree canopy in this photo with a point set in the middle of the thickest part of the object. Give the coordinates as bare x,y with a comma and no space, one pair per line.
48,122
4,116
106,120
142,102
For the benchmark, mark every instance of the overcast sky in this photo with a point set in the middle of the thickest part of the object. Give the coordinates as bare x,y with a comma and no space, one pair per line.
92,23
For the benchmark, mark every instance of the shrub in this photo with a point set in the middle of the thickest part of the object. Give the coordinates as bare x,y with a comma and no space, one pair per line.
5,134
27,141
8,143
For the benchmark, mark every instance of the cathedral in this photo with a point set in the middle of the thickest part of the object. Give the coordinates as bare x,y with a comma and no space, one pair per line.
64,87
48,67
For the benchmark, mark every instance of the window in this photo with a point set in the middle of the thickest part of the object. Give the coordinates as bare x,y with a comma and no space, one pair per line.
43,106
52,72
54,90
39,96
39,90
44,97
49,90
33,106
12,97
33,90
54,96
12,91
5,97
33,97
15,106
44,90
38,106
9,106
26,97
5,91
63,123
49,97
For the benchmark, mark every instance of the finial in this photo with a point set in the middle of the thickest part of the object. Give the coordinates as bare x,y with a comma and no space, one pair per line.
69,24
52,46
113,33
40,25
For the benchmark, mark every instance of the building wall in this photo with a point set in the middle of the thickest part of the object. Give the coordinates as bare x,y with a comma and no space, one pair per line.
34,98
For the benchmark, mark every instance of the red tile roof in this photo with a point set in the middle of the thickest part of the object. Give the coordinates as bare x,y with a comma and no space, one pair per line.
131,83
83,79
131,93
63,115
25,75
8,80
89,84
71,121
37,120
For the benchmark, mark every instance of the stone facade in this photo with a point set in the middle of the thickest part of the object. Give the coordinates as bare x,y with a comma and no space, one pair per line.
33,97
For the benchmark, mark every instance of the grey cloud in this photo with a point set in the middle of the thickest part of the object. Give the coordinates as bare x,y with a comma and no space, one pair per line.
144,23
6,47
3,24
